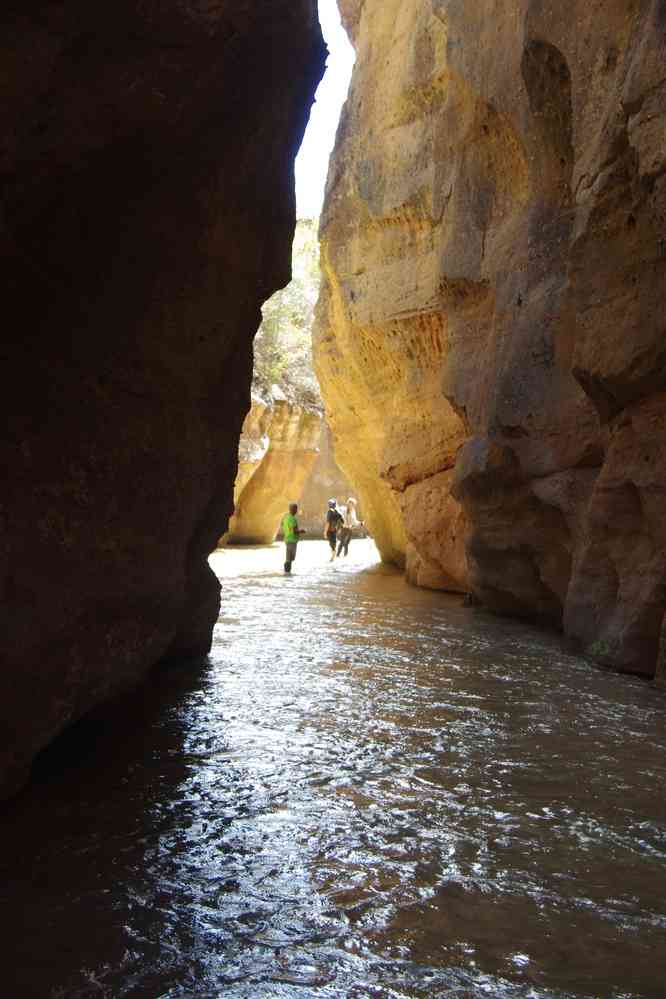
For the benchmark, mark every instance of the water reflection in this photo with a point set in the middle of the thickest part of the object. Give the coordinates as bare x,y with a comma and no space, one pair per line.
368,791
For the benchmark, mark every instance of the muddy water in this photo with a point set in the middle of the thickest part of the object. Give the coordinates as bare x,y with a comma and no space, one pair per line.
367,791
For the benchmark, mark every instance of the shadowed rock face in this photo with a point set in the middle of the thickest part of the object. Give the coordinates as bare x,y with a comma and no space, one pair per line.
147,212
491,345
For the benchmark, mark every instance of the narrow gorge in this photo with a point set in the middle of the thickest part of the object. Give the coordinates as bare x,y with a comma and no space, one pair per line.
329,768
285,453
490,339
491,342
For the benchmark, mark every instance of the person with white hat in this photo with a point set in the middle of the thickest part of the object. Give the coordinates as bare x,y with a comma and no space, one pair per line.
349,522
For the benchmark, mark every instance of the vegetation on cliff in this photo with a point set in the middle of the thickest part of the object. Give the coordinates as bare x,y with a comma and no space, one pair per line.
283,344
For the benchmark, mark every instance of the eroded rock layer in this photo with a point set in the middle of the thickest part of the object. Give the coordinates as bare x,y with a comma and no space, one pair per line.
492,340
325,481
279,447
285,456
147,212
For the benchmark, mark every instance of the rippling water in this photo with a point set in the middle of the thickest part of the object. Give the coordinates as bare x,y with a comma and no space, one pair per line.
369,791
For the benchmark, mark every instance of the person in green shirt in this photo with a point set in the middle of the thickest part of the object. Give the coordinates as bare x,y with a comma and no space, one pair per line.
292,533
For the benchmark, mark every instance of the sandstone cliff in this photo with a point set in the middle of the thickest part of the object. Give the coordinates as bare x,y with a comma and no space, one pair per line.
148,210
285,455
279,447
491,344
324,481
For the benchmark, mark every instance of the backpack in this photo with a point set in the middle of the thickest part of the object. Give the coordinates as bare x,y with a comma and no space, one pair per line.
335,522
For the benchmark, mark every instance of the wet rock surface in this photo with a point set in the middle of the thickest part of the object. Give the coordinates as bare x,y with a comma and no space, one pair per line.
399,797
148,208
495,278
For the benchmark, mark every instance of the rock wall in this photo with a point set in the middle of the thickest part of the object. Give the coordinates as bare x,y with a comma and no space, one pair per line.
492,341
285,456
324,481
279,447
147,212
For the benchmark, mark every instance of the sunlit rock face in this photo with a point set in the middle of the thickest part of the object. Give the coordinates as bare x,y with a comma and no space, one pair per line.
285,456
491,344
325,481
148,209
279,447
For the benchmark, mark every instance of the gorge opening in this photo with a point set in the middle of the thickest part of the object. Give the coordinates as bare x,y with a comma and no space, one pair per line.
286,449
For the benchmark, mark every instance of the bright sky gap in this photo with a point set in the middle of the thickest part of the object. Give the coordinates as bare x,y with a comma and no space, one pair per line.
312,160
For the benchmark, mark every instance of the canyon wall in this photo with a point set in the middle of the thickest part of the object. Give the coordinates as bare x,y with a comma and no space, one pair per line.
147,212
491,336
285,456
325,480
279,447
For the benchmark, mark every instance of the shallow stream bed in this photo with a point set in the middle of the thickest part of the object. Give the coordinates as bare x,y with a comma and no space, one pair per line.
367,791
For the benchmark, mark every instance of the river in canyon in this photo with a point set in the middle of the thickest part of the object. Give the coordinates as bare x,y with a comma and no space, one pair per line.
366,791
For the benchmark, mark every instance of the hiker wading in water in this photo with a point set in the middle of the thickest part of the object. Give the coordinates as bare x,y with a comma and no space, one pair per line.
349,522
292,533
333,523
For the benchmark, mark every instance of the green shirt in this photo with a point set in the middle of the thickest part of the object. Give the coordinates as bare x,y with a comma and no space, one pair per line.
290,527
